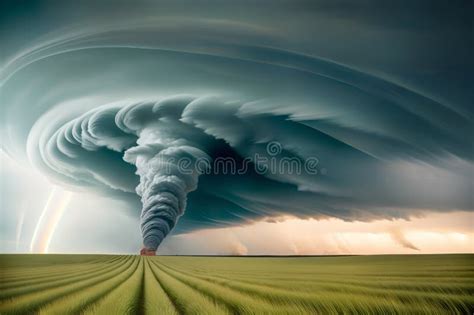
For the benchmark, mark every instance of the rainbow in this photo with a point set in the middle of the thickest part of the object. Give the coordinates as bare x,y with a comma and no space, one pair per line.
54,208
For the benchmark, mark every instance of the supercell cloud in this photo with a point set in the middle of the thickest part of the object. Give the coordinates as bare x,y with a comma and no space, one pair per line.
114,104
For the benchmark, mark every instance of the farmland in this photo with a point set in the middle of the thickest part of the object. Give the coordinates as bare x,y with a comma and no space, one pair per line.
108,284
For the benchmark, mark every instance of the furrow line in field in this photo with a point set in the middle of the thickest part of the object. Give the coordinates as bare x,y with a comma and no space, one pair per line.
141,295
29,303
16,270
173,300
336,285
156,299
39,275
187,299
123,298
370,278
235,300
55,282
81,300
299,278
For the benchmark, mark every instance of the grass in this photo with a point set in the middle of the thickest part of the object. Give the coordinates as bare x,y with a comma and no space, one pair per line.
103,284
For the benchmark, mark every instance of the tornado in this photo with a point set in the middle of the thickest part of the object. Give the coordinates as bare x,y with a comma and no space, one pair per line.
168,159
165,180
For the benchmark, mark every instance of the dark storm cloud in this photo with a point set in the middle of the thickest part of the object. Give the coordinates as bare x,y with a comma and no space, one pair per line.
112,105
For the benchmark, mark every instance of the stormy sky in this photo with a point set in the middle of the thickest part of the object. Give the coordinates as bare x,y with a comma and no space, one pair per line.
103,98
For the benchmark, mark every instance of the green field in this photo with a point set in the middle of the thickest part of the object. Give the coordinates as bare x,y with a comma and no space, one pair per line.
99,284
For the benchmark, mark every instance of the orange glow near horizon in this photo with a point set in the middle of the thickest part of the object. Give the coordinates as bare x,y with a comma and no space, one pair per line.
433,233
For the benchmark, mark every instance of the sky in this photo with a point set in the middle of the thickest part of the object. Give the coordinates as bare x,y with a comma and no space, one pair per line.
215,128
